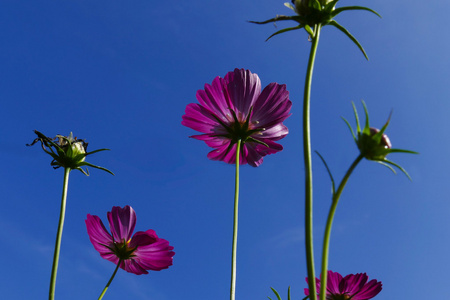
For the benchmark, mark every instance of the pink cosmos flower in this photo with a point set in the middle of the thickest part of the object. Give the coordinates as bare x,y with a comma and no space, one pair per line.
350,287
234,108
138,253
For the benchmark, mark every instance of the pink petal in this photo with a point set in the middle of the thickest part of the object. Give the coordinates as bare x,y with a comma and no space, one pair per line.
272,106
199,118
122,222
333,282
352,284
215,98
156,256
132,266
370,290
98,235
243,88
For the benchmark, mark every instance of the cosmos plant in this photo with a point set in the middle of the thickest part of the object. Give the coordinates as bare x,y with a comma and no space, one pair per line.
373,144
242,124
70,153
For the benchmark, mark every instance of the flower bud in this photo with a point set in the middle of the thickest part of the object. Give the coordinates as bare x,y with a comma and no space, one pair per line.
301,7
384,138
67,151
374,146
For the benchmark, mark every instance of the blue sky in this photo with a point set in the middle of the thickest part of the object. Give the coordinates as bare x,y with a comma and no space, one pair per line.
120,76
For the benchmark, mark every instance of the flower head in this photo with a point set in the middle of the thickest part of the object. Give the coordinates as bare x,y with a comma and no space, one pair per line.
350,287
234,108
310,13
67,152
373,143
137,253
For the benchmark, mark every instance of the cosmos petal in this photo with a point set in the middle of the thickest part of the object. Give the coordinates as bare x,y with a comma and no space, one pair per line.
122,222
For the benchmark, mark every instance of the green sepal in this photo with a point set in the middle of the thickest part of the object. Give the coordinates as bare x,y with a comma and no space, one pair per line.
347,33
399,167
330,6
95,151
402,151
277,18
358,127
309,30
289,293
351,129
366,129
341,9
285,30
386,165
316,5
94,166
289,5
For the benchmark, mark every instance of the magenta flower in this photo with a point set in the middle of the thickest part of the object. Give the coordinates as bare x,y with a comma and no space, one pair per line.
138,253
234,108
350,287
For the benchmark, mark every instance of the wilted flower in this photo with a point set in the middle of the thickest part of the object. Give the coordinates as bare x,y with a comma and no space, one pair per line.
67,152
373,144
138,253
310,13
234,108
350,287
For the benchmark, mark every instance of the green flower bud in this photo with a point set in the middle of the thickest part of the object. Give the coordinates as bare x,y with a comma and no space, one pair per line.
301,7
67,152
373,144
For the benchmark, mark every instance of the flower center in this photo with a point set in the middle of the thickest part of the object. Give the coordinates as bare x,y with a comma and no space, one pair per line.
123,251
345,296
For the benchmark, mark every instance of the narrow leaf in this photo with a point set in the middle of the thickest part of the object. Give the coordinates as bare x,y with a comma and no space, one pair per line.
276,293
333,187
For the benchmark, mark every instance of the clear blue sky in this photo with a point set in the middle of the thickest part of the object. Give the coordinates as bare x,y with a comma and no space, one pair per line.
120,75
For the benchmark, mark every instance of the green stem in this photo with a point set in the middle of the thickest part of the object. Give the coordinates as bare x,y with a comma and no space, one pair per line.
308,166
326,238
59,235
110,280
235,225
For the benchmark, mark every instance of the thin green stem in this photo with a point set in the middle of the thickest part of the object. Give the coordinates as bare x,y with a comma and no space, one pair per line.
110,280
59,234
326,237
235,225
308,165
